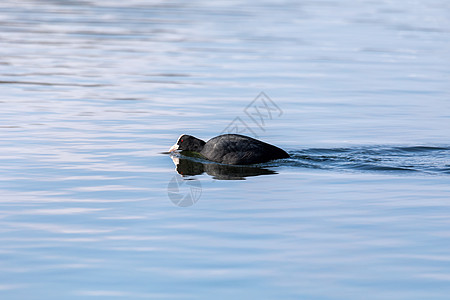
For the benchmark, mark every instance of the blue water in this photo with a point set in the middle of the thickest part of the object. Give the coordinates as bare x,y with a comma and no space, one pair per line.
93,93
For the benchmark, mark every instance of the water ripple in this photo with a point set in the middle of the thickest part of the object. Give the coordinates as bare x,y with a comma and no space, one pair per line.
423,159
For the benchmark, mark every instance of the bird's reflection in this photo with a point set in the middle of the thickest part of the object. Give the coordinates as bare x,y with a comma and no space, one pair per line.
190,167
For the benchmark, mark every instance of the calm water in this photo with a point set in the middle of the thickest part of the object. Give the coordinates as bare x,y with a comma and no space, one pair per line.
93,91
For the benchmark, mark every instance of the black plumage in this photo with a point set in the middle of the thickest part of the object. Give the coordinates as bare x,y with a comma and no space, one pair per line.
232,149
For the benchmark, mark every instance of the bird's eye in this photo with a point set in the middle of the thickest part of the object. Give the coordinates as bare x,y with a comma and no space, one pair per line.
181,140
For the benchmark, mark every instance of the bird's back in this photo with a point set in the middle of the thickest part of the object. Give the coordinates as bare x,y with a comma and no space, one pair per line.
238,149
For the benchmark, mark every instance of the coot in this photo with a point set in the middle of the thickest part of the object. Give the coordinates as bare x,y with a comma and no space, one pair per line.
231,149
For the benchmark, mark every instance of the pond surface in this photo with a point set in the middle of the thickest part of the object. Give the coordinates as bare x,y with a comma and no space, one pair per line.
93,93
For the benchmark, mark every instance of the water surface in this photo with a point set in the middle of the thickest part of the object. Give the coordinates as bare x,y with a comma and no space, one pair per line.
93,91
